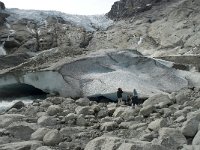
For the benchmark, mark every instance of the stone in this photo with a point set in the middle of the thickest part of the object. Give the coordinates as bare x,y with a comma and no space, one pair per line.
102,113
52,137
21,130
118,112
108,126
83,101
180,119
7,119
85,110
17,105
53,110
157,124
81,121
24,145
47,121
147,110
183,96
190,127
196,140
56,100
171,138
110,143
39,134
44,148
71,117
158,99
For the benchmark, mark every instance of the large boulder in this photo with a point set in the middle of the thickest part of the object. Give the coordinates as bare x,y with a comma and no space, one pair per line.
24,145
53,110
85,110
39,134
157,124
190,127
146,111
196,140
156,99
52,137
21,130
171,138
110,143
47,121
7,119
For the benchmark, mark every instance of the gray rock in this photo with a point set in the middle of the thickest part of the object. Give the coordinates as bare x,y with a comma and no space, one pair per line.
81,121
7,119
157,124
157,99
71,117
56,100
108,126
190,127
21,130
171,138
83,101
86,110
39,134
53,110
33,145
183,96
196,140
47,121
44,148
190,147
102,113
110,143
52,137
147,110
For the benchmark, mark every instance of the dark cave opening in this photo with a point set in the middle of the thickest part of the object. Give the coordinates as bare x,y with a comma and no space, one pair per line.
20,90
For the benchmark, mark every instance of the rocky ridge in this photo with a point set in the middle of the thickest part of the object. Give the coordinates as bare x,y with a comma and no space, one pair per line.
63,123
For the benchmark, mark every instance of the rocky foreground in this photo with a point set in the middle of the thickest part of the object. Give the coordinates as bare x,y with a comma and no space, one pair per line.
162,122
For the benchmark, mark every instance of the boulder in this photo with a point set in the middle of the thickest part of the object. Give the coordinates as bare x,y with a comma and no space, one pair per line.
7,119
21,130
83,101
110,143
53,110
183,96
52,137
118,112
81,121
17,105
190,127
71,117
196,140
44,148
56,100
109,126
39,134
47,121
85,110
24,145
171,138
158,99
157,124
147,110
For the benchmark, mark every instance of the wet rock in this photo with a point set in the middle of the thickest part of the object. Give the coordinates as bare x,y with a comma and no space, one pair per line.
17,105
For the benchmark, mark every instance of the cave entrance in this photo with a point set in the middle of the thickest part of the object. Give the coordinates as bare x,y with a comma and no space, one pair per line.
20,90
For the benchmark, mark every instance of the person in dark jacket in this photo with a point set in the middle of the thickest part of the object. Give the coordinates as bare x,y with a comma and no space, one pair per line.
119,95
135,100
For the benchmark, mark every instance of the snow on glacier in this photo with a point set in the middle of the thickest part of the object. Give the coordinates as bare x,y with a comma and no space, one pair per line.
90,23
